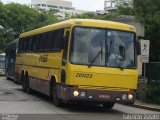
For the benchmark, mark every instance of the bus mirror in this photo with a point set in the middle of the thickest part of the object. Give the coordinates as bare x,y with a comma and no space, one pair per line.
138,48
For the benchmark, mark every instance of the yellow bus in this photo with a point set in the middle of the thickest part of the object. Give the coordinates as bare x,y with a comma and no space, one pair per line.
80,60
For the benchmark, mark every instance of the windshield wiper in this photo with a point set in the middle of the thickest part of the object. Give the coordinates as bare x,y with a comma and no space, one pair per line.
97,55
94,59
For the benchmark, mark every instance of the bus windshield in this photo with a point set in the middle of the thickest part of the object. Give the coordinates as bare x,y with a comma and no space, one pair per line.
103,47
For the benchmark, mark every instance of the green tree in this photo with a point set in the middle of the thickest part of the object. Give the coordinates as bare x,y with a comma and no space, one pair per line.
21,18
88,15
149,12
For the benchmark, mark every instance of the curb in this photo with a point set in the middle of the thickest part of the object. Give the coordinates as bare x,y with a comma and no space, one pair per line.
143,107
146,107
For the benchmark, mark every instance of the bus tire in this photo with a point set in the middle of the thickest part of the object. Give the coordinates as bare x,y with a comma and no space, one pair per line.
108,105
28,89
57,102
23,82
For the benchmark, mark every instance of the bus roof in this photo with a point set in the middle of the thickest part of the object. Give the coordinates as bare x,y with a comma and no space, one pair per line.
81,22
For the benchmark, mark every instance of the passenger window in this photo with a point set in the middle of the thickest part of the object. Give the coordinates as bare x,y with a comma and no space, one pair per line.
58,39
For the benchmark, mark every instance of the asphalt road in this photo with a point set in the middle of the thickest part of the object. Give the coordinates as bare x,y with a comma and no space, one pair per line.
14,103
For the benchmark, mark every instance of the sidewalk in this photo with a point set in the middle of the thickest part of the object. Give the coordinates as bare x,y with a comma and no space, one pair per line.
148,106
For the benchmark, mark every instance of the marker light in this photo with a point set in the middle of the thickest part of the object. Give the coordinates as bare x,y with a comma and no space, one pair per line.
83,94
124,97
75,93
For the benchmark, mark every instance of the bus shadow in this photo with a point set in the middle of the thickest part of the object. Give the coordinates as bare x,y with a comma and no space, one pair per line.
40,96
75,107
90,108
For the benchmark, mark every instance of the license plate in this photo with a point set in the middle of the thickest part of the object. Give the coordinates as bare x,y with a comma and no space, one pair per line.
104,96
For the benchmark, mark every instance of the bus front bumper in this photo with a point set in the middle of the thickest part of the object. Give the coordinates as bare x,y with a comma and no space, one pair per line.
99,96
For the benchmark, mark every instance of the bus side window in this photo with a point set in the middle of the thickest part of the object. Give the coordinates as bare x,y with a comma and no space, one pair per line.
52,39
55,47
33,43
40,43
47,42
37,42
58,39
19,45
30,44
65,47
43,42
27,44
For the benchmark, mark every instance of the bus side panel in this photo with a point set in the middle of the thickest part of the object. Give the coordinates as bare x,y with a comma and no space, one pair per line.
40,68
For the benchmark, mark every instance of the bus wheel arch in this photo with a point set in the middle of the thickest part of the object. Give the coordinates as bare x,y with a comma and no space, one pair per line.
52,82
23,81
22,76
22,73
53,88
26,73
28,90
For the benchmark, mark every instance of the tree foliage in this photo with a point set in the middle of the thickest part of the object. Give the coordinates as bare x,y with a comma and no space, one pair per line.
92,15
16,18
149,12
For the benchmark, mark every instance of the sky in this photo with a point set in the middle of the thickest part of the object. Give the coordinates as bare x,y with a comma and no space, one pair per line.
90,5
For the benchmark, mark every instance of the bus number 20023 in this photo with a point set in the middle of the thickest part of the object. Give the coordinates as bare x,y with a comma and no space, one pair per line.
84,75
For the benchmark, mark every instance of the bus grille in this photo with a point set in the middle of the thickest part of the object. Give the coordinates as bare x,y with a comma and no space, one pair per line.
103,88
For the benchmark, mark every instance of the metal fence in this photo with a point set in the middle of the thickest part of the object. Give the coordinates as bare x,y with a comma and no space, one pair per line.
153,72
150,91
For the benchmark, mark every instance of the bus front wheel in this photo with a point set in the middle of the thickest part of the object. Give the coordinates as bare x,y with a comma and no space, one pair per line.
57,102
108,105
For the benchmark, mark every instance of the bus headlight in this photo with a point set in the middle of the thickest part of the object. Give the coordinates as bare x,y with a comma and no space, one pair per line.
130,96
75,93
